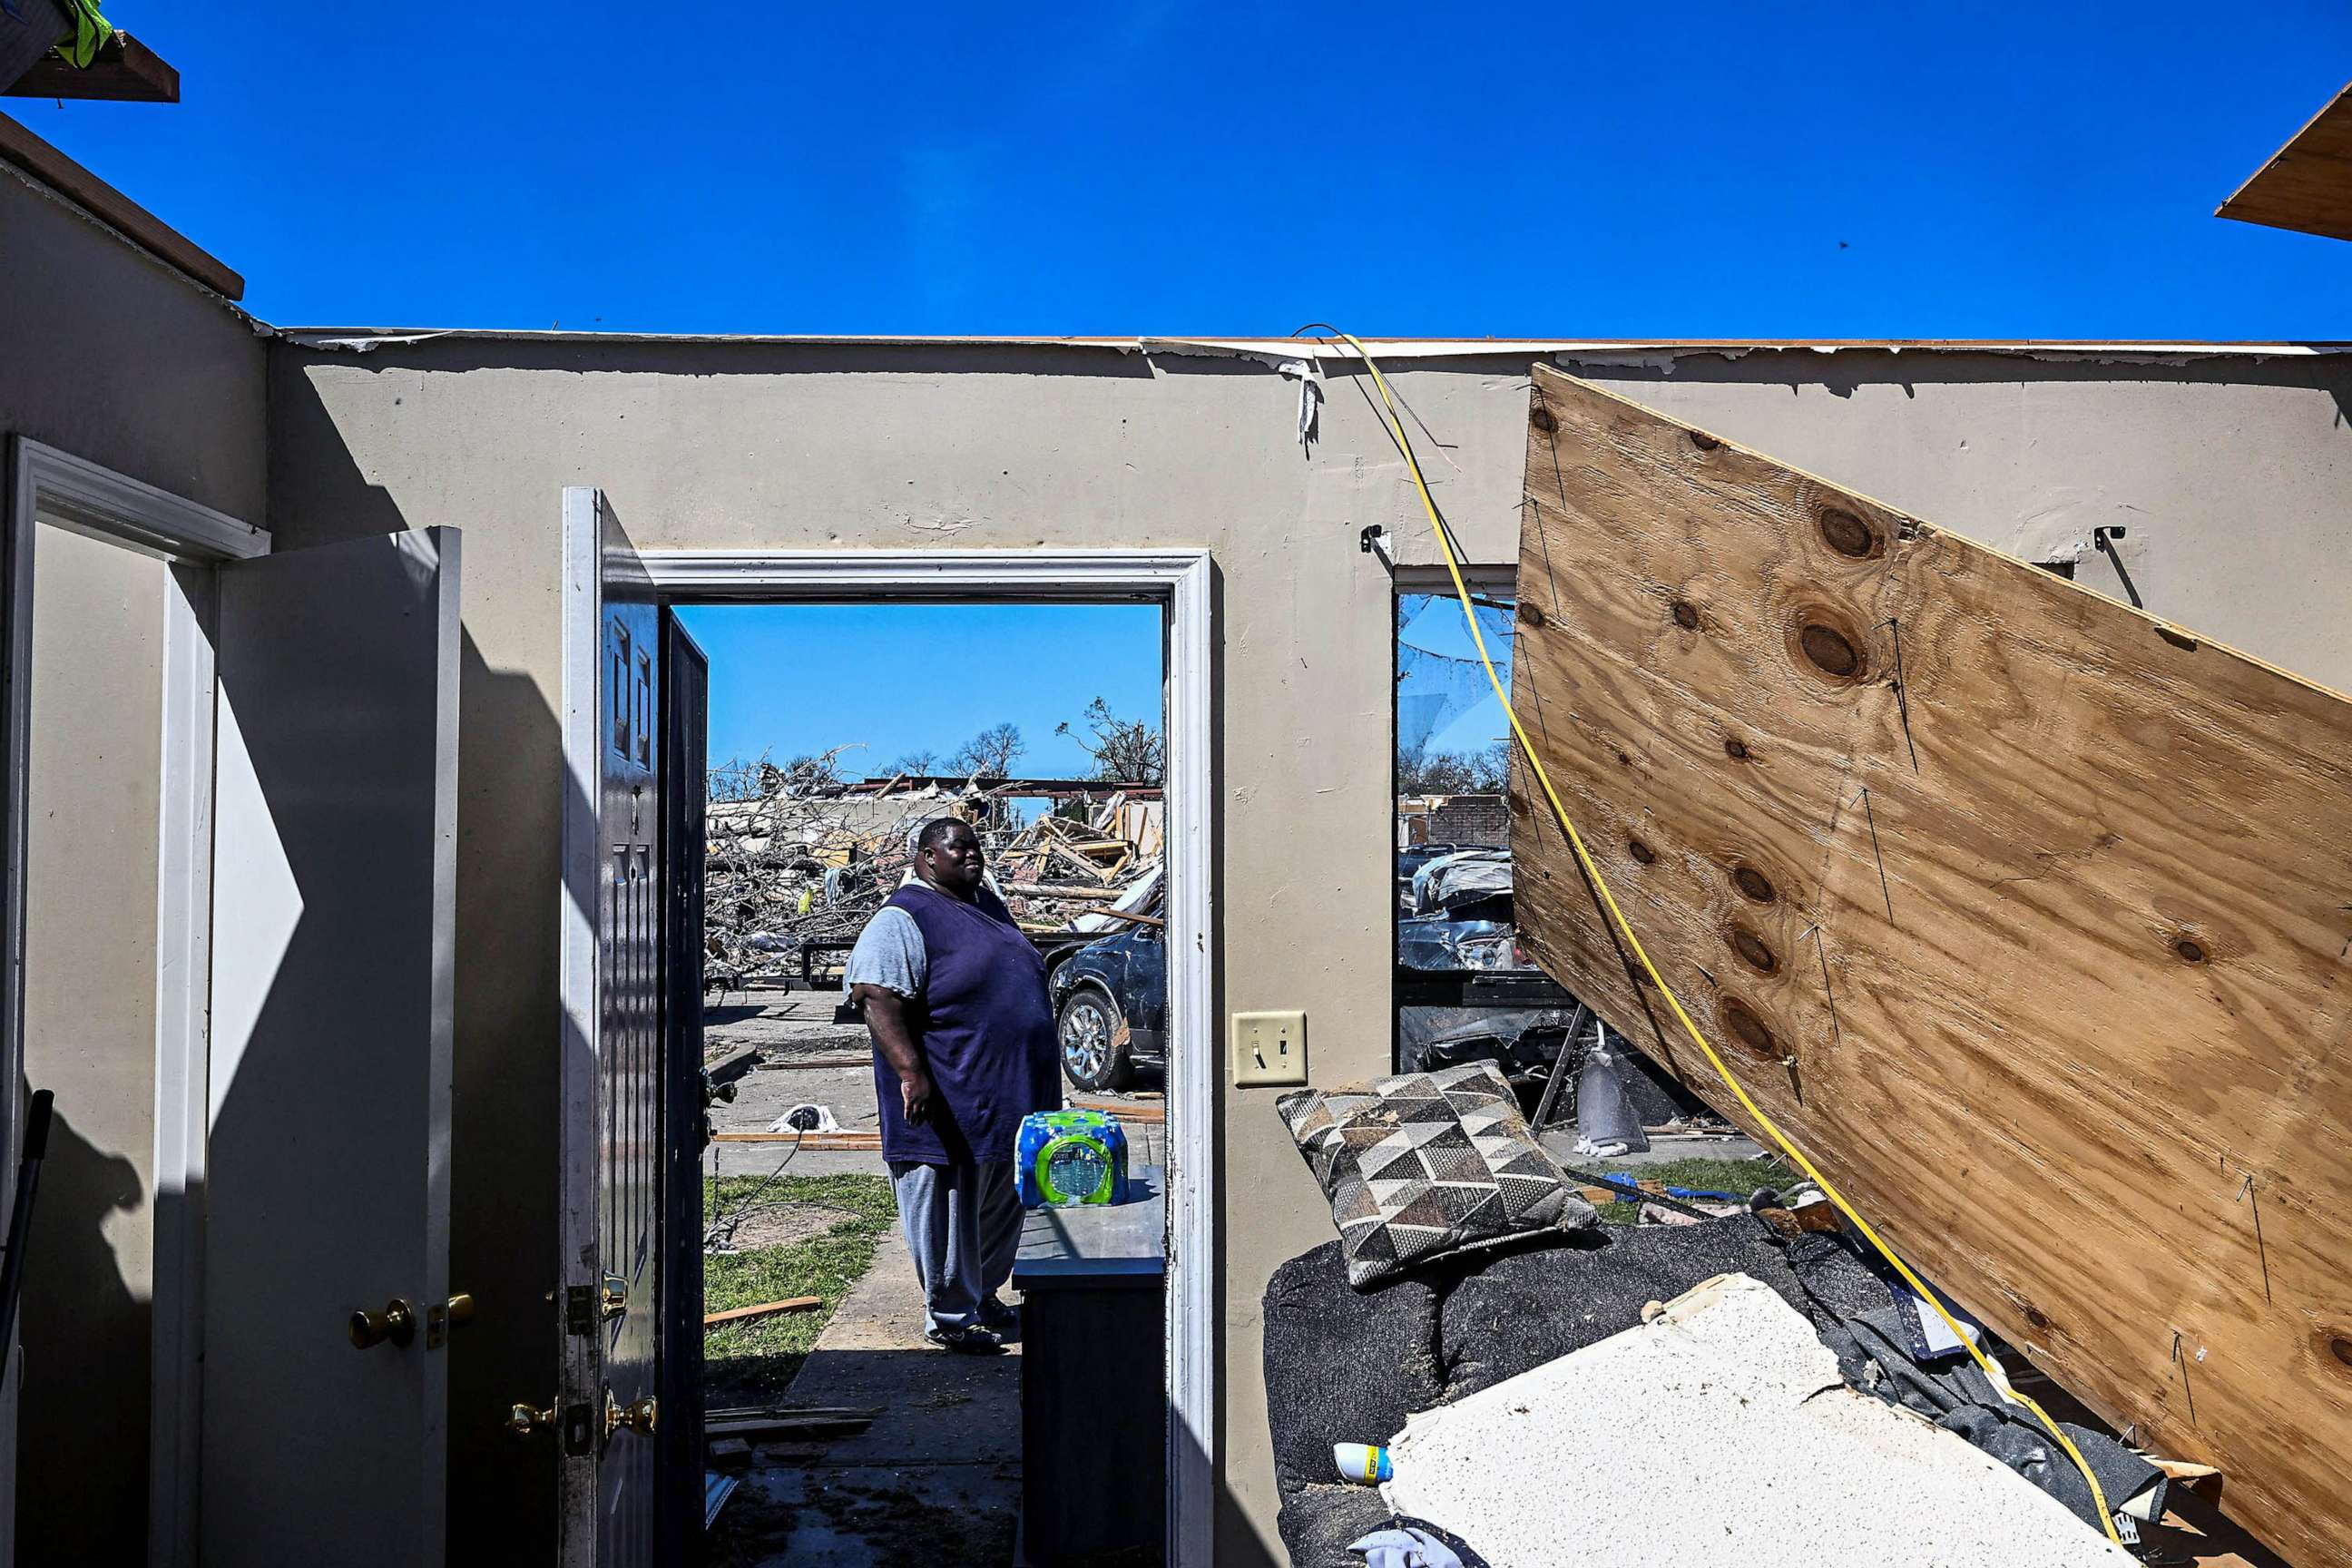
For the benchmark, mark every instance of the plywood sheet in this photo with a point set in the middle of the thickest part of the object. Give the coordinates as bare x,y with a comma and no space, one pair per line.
2307,184
2063,1001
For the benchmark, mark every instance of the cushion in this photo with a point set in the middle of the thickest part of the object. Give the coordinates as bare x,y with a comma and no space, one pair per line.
1341,1365
1427,1163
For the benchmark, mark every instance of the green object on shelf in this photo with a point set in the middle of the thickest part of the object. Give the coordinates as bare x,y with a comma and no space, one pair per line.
1066,1157
90,33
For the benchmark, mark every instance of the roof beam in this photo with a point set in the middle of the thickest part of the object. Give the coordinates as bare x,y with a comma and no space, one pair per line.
68,179
125,71
2307,184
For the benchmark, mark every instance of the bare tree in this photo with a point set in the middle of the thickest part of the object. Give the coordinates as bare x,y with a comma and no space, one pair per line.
1124,751
1483,772
737,780
991,754
921,761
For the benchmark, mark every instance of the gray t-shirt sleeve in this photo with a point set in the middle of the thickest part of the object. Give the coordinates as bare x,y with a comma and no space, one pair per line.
890,954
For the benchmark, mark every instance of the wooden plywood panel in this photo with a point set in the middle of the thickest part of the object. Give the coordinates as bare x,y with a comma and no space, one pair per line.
2063,1001
2307,184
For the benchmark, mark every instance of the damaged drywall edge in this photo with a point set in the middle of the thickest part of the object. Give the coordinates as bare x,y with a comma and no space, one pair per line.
360,343
1271,350
47,192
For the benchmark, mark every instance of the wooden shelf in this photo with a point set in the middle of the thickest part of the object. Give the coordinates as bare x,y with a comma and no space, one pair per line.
126,71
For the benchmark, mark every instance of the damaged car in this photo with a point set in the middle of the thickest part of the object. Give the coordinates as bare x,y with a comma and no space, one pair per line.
1110,1007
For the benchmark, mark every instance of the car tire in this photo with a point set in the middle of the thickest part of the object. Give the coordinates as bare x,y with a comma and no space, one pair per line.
1091,1037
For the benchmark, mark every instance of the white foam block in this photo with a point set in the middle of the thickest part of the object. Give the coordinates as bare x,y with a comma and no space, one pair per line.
1719,1427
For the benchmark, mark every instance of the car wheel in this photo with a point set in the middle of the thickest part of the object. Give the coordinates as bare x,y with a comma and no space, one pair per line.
1093,1039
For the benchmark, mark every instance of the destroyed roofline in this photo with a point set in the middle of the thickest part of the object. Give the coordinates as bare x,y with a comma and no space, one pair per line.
362,338
1058,789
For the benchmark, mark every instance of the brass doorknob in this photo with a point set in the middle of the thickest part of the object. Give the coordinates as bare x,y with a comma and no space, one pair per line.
397,1322
461,1309
523,1420
637,1416
616,1295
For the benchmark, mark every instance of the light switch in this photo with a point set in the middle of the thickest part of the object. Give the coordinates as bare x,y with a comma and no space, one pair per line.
1269,1048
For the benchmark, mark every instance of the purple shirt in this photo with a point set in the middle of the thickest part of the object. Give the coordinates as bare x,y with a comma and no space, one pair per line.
984,1027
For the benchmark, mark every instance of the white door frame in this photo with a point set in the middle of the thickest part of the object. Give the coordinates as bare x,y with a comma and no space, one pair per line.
1179,579
48,484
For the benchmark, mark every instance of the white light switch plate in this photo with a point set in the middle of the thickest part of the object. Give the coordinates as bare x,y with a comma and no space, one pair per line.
1269,1048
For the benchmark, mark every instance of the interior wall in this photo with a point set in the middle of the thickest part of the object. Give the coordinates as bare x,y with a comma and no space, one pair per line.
108,355
2232,473
93,877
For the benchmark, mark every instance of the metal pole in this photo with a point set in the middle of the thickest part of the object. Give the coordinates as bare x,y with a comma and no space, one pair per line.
1558,1071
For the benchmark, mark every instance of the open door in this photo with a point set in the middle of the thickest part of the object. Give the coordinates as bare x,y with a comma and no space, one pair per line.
326,1307
615,1009
685,1130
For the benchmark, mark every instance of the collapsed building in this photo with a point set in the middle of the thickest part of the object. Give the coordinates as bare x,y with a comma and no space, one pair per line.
796,863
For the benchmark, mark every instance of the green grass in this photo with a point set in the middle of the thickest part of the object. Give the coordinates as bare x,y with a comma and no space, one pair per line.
1740,1176
756,1360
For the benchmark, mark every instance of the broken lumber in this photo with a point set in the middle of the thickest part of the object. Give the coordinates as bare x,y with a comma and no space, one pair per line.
1136,919
1123,1111
1060,891
837,1142
749,1422
2022,912
738,1314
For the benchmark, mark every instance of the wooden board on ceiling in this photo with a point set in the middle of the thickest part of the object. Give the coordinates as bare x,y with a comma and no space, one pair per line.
2307,184
125,71
2063,1004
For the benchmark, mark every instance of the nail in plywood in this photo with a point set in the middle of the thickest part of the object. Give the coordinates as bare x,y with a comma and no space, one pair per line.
2307,184
2062,1003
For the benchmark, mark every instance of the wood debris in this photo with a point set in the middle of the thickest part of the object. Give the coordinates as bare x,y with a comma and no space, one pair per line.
799,859
737,1314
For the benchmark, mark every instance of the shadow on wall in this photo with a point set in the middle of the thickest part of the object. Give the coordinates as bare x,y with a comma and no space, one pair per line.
505,1059
83,1330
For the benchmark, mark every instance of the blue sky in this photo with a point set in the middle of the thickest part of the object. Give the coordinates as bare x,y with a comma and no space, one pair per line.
1735,169
790,679
1712,169
1444,701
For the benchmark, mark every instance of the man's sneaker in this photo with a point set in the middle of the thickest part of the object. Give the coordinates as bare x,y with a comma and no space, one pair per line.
1001,1319
969,1339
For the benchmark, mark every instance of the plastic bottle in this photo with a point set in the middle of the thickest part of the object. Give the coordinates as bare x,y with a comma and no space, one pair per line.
1364,1462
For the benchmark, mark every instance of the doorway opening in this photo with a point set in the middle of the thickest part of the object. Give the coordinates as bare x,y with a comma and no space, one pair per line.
836,734
1163,1251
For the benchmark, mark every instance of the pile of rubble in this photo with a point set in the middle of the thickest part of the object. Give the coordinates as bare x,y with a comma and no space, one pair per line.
1063,873
799,859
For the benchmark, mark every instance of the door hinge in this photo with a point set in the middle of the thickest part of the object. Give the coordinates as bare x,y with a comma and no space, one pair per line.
578,1429
580,1310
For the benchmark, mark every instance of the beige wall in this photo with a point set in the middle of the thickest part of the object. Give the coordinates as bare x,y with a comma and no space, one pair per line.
113,356
108,355
93,878
2233,475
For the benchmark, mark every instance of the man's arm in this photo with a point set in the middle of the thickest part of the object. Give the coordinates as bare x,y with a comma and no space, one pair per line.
888,966
886,1017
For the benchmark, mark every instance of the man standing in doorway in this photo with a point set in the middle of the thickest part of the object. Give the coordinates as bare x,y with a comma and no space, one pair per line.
954,995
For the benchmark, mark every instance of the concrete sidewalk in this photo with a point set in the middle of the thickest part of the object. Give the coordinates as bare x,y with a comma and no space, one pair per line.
936,1480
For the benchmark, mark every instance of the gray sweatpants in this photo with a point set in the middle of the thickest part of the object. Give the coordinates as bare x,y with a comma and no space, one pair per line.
963,1225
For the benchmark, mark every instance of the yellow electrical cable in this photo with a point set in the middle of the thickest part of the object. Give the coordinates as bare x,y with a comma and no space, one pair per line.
1601,885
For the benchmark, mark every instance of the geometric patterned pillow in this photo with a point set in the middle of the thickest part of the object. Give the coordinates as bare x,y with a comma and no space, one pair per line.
1426,1163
